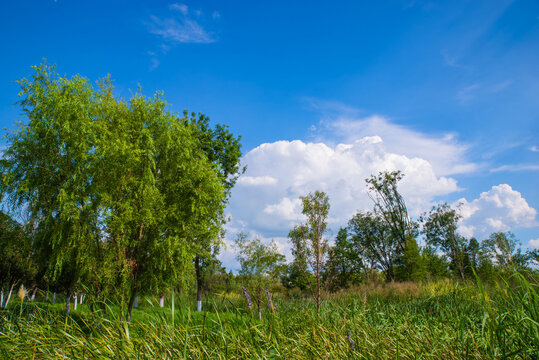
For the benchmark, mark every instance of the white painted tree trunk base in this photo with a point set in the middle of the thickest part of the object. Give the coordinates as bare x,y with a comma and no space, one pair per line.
135,304
9,295
68,304
54,298
161,301
199,305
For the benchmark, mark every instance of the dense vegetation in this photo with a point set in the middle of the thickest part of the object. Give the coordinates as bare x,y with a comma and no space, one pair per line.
111,201
438,320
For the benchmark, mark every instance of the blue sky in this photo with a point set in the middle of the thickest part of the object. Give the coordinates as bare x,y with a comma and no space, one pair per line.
451,90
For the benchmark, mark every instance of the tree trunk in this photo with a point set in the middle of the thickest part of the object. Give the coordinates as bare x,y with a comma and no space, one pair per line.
68,302
81,299
318,293
198,273
461,271
9,295
390,277
135,305
54,297
259,310
131,302
33,296
161,300
134,289
75,302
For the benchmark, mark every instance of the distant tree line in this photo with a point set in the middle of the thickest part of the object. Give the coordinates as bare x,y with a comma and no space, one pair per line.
382,245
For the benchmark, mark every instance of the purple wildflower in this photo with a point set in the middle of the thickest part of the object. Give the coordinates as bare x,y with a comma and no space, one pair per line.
270,303
249,303
350,340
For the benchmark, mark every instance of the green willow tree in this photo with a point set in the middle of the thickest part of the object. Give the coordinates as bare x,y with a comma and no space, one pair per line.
166,193
48,170
115,190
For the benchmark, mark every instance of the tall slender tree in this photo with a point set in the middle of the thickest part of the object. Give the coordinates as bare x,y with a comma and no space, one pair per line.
390,206
316,209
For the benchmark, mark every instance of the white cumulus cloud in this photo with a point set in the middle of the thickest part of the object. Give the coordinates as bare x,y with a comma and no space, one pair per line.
499,209
444,153
256,180
267,199
533,243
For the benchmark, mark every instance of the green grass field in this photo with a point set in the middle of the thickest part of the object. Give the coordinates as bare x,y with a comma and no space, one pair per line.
441,320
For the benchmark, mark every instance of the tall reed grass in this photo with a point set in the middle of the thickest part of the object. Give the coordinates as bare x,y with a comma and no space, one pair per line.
443,320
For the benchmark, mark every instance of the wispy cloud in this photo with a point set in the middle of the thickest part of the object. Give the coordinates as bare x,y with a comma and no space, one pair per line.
180,27
329,106
467,93
452,60
181,8
500,86
516,167
154,63
534,148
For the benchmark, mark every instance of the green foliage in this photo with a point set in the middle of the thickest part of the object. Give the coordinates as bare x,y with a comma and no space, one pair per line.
345,266
220,146
17,261
373,240
437,266
411,266
48,170
116,191
440,230
297,274
502,247
389,204
261,265
224,151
